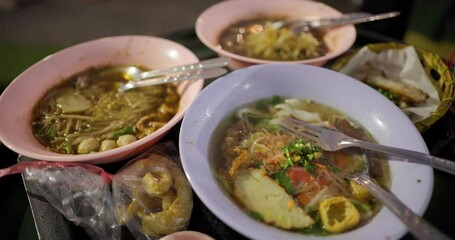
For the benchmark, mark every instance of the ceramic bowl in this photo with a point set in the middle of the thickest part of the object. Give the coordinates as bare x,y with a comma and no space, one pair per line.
386,122
20,97
218,17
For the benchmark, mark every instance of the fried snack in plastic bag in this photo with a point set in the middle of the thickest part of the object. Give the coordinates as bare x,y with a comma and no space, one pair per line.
152,194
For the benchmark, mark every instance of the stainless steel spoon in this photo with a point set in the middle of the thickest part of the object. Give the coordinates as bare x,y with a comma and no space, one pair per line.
301,25
135,74
420,228
188,75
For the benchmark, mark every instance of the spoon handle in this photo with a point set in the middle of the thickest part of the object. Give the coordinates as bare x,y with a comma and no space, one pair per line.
352,18
206,64
405,155
420,228
193,75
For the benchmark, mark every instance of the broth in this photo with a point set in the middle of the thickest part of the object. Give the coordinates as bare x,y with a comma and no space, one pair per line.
257,39
285,181
86,113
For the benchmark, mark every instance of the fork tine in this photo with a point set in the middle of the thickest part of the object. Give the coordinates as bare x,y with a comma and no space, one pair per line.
312,135
298,123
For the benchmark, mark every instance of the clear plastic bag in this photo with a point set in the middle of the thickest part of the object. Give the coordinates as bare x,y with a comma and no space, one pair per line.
150,194
82,196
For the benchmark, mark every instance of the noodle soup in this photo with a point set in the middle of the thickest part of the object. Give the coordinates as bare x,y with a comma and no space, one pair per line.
288,182
258,39
87,113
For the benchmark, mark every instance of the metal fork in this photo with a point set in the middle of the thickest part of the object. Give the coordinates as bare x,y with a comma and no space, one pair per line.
418,226
331,140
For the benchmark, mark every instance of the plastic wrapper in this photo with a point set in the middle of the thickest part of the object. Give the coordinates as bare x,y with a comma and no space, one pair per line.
81,192
82,196
150,195
397,65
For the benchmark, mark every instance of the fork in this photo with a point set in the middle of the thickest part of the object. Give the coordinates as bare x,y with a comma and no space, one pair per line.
331,140
418,226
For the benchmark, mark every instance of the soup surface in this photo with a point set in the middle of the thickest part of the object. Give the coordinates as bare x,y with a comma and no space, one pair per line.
258,39
87,113
286,181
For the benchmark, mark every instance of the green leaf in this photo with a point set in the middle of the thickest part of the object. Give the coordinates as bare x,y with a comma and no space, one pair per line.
277,100
123,131
265,124
365,207
284,181
264,104
52,132
257,216
316,229
388,94
309,167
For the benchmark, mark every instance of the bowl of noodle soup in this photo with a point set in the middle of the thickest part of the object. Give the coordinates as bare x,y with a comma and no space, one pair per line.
221,28
66,107
231,118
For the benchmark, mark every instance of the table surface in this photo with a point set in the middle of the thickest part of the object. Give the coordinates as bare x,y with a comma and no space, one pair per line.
440,139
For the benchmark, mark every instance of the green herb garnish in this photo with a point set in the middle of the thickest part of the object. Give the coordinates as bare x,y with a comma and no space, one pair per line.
257,216
264,104
123,131
316,229
284,181
302,153
388,94
365,207
265,124
329,164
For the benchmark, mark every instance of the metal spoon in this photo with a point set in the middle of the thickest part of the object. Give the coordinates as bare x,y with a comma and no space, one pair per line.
420,228
300,25
297,26
189,75
136,74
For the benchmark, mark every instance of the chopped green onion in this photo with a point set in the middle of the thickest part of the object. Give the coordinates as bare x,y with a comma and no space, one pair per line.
123,131
302,153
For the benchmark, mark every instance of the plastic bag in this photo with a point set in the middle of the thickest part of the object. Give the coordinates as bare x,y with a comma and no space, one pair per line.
82,196
150,194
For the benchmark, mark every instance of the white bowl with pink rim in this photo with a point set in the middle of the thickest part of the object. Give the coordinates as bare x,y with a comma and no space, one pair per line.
218,17
20,97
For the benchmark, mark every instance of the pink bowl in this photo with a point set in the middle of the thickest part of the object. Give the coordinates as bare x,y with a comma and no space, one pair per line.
19,98
215,19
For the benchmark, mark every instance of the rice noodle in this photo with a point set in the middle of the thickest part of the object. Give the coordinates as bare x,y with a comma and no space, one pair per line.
318,197
68,126
336,181
80,117
107,111
305,172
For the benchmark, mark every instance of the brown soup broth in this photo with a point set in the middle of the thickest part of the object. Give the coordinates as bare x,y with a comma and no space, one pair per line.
235,39
87,107
231,136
